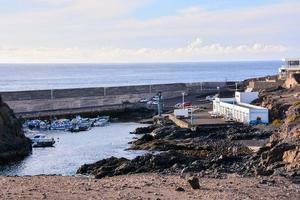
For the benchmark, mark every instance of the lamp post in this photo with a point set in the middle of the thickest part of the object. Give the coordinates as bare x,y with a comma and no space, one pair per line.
218,88
236,86
159,108
183,93
191,116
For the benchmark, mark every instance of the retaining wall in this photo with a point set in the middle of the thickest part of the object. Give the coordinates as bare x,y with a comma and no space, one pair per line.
63,101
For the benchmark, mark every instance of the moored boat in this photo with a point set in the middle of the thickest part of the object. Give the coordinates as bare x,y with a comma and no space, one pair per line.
41,140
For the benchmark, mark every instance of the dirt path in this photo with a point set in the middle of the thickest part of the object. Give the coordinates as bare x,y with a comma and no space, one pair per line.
145,186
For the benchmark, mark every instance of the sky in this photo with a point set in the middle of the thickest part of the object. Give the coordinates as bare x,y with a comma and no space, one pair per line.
89,31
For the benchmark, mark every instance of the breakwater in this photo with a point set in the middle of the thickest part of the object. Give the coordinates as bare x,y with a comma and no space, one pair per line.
41,103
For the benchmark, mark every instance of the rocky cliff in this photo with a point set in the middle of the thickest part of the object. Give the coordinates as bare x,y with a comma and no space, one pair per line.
13,143
282,154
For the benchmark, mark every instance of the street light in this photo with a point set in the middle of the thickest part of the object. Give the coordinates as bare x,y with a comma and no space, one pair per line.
159,109
183,93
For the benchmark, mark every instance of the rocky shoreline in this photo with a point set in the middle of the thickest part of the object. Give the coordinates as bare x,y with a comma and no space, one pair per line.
13,143
215,152
180,164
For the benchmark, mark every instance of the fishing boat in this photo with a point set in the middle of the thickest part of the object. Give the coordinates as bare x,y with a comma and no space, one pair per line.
80,124
100,121
61,125
36,125
40,140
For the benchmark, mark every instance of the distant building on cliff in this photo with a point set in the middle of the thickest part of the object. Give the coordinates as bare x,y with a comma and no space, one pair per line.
290,72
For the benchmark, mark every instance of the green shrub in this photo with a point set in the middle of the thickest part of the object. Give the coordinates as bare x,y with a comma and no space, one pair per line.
292,118
277,122
296,104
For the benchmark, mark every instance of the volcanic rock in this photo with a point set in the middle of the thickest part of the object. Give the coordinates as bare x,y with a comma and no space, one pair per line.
194,182
13,143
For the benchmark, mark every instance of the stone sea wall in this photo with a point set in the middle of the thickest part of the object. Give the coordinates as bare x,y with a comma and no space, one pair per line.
64,101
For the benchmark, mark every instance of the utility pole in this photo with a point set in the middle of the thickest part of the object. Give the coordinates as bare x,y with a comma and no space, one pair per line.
183,93
159,104
191,116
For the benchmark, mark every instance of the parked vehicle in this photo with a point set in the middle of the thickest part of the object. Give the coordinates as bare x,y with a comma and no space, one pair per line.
155,98
143,100
152,102
178,105
230,120
187,104
210,98
181,105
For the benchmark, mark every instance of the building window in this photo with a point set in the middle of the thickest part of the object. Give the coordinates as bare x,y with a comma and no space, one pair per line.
293,62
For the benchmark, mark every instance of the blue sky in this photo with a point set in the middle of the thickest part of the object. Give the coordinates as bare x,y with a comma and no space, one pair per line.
158,8
148,30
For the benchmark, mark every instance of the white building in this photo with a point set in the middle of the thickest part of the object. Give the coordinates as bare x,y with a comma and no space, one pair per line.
239,109
290,72
291,66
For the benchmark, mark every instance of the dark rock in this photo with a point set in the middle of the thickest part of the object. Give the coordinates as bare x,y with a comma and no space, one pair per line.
194,182
262,171
144,130
180,189
146,163
13,143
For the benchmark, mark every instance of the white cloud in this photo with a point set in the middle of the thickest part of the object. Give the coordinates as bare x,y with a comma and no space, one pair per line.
194,51
94,25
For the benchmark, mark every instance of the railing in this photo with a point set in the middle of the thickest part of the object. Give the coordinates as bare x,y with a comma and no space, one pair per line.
290,66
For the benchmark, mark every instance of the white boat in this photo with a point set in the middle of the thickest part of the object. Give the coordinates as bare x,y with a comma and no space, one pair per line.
61,125
40,140
100,122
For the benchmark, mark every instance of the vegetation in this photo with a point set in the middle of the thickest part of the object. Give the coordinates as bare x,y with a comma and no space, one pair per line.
292,118
277,122
296,104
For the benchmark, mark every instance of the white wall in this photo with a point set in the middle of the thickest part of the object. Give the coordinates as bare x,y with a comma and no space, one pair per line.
241,113
246,97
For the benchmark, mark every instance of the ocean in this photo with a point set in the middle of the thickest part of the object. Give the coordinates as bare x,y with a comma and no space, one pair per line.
18,77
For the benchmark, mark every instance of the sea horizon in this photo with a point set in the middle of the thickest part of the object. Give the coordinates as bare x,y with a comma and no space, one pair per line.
43,76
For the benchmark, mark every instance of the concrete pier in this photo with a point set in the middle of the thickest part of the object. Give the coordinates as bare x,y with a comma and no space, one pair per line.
65,101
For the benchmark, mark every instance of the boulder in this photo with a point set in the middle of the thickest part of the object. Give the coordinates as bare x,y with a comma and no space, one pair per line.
194,182
144,130
292,158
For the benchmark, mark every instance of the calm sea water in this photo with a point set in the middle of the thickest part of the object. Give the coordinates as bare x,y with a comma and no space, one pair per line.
75,149
51,76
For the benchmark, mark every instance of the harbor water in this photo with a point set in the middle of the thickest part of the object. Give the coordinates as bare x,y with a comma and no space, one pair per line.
75,149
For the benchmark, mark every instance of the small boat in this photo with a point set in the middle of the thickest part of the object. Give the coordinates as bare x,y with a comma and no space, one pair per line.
80,124
36,125
79,127
41,140
100,121
61,125
32,124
